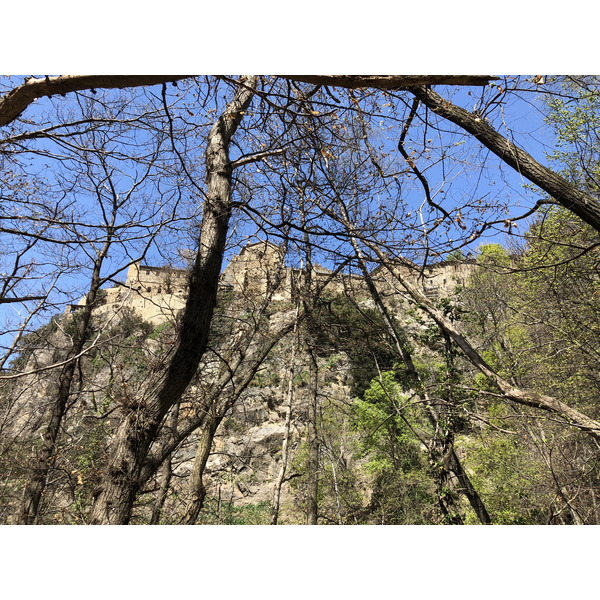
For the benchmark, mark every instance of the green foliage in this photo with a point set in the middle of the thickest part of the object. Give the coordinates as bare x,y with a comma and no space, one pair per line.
430,335
510,479
266,379
87,459
158,330
101,298
73,324
218,512
456,255
394,459
128,335
490,307
131,324
575,117
340,496
493,255
538,326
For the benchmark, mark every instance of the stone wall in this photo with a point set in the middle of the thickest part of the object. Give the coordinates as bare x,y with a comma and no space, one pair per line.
157,293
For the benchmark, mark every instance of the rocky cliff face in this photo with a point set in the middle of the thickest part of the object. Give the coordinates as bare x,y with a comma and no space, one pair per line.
132,329
247,451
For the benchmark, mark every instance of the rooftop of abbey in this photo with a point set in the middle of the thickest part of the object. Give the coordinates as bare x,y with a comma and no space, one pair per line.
158,293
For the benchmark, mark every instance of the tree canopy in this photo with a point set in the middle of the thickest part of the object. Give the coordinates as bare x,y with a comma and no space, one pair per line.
373,180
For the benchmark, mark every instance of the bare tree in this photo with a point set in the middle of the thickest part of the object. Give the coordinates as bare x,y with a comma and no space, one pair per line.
134,436
282,177
20,97
567,194
112,204
289,403
250,346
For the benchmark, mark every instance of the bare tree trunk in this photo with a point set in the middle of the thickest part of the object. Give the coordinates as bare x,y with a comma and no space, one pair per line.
401,342
116,493
38,478
238,375
197,489
37,481
567,414
583,205
390,82
286,436
218,404
312,466
166,471
164,477
307,299
18,99
467,487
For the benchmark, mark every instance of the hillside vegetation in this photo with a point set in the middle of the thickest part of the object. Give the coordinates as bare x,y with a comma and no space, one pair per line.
290,401
312,300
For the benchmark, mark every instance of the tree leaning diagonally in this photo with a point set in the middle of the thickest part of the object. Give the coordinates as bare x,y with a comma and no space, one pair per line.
308,129
511,392
234,377
59,404
132,440
569,195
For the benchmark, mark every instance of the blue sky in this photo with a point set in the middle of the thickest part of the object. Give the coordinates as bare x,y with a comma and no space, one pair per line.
466,182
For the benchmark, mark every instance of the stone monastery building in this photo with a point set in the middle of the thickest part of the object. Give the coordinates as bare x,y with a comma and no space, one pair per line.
158,293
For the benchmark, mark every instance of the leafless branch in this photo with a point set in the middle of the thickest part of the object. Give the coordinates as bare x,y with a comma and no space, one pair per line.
18,99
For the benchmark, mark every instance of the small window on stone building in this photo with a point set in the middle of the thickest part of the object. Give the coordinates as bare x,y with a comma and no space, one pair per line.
147,272
148,289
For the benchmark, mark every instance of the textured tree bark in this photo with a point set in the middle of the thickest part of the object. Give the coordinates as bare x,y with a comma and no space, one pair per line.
583,205
470,492
197,489
401,343
18,99
239,374
38,478
217,405
453,463
166,472
116,493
